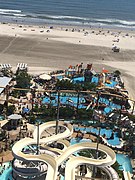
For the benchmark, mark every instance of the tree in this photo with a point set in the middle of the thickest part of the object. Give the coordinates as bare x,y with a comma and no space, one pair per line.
1,108
88,86
64,84
66,112
7,72
85,114
11,109
117,73
116,166
91,153
23,81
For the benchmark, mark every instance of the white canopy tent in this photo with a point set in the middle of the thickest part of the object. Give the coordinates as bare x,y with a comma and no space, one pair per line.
45,77
14,117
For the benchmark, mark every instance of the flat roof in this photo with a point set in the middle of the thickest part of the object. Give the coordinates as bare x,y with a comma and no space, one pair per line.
4,81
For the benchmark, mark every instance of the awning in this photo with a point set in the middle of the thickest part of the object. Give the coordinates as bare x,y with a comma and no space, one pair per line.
4,81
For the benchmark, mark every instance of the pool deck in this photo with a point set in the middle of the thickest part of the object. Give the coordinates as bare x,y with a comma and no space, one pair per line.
6,157
133,162
85,136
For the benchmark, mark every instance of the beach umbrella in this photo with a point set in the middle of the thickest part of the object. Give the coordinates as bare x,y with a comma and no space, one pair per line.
14,116
26,110
45,77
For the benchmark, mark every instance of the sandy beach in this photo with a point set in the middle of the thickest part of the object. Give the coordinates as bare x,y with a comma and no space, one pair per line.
45,49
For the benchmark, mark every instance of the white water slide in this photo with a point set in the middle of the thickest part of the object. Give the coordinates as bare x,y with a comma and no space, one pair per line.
53,162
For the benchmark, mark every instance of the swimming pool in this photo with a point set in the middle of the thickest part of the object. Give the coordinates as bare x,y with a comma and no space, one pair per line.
74,141
62,177
7,173
124,162
78,140
107,132
95,80
110,105
60,77
66,100
81,79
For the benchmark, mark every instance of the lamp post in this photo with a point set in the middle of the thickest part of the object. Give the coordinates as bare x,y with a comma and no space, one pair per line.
33,96
133,107
7,89
78,95
37,139
98,97
58,113
99,129
97,147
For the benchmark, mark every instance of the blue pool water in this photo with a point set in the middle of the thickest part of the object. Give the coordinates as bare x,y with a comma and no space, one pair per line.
94,80
81,79
78,80
72,101
110,105
66,100
78,140
1,118
6,175
60,77
111,84
107,132
125,162
62,177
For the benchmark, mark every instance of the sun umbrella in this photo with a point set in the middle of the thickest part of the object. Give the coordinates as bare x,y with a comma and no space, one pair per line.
25,110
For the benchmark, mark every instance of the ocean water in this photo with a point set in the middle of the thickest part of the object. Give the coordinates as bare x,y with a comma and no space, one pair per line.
115,13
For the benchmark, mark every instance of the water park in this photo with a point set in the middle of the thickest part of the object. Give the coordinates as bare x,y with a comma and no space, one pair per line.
66,125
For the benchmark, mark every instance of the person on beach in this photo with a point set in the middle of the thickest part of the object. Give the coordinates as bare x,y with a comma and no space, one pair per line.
1,161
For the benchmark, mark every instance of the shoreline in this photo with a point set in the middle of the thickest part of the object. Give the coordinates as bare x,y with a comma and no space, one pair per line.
94,23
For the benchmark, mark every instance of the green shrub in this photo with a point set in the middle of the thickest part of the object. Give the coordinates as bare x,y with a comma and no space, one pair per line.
66,112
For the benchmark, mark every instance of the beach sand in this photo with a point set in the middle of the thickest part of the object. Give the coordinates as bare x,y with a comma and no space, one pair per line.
45,49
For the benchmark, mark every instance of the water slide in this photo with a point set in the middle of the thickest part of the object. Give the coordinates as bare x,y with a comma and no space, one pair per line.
67,132
54,162
78,160
127,175
111,172
52,166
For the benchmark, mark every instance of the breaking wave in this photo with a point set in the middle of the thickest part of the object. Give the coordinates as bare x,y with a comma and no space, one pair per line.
67,19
